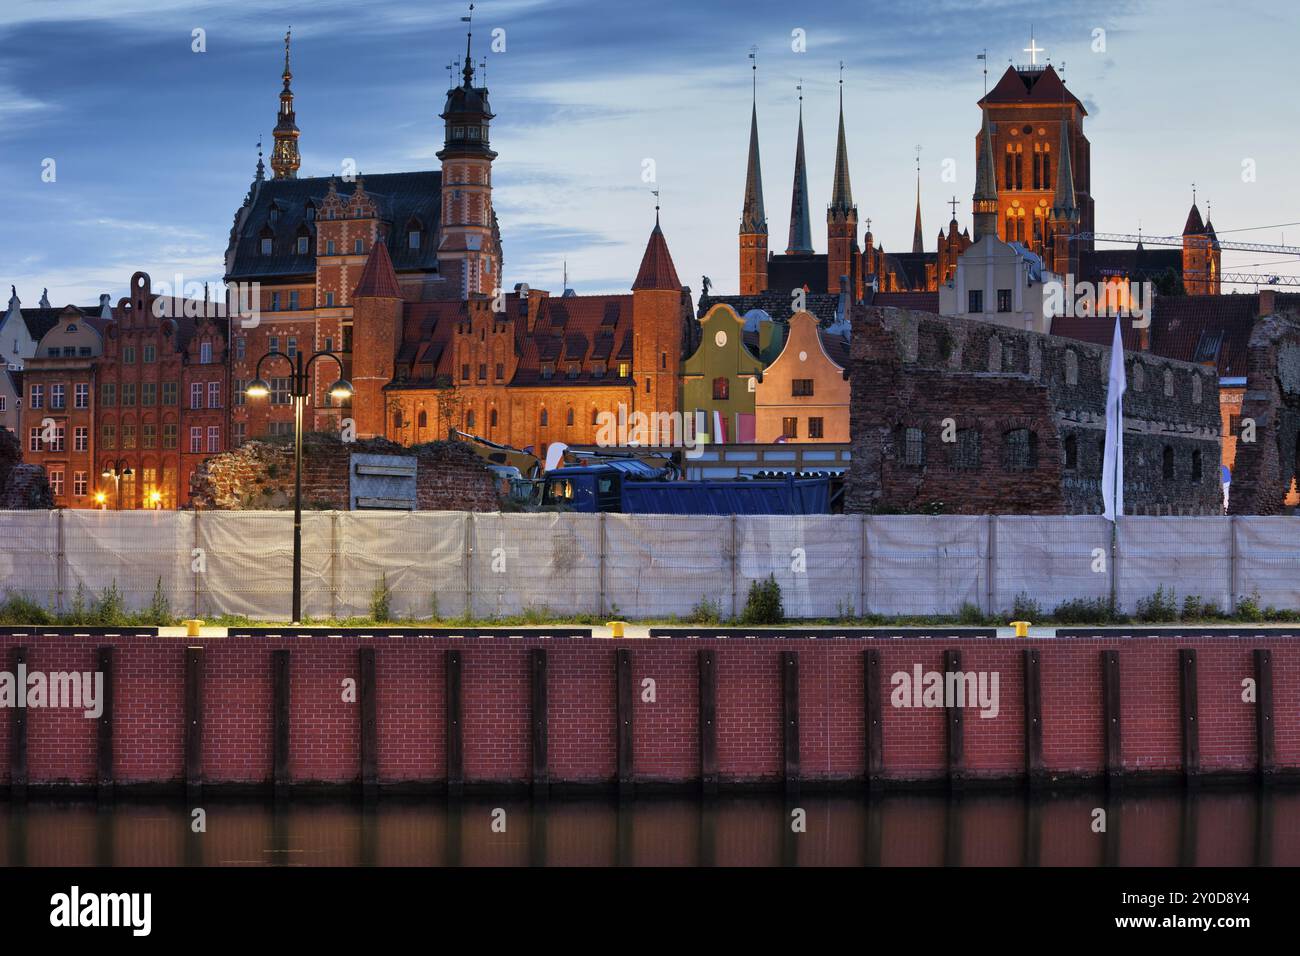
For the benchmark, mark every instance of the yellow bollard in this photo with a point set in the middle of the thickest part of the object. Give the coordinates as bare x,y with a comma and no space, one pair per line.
616,627
1022,628
192,627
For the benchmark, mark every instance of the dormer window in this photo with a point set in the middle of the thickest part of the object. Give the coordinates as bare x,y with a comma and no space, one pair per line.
304,244
359,246
71,328
310,213
266,245
275,215
413,239
548,371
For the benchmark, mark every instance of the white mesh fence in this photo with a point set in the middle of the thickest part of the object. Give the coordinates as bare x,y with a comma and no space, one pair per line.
485,566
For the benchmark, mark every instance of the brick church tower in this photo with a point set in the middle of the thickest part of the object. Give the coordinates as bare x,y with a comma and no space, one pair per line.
842,256
469,254
1062,250
753,220
1201,255
657,320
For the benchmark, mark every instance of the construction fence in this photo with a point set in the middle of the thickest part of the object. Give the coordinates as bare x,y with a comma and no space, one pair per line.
460,564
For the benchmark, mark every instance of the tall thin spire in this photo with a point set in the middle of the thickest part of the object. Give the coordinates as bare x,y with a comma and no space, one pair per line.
985,199
753,217
285,159
918,244
468,71
800,220
1063,205
842,192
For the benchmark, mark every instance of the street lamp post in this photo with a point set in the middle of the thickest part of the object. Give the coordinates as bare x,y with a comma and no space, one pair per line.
117,471
299,389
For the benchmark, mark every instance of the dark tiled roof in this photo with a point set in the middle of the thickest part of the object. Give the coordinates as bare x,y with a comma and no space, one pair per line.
40,321
1031,86
1194,226
657,269
1138,263
775,304
1191,328
578,330
401,197
917,301
910,266
797,270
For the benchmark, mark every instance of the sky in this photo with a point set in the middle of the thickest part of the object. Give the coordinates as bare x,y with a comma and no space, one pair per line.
154,145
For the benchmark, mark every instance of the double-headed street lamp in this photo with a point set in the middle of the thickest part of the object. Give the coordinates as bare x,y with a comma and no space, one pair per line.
117,471
299,389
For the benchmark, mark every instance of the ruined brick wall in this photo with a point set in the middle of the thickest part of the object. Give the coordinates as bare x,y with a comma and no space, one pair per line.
259,475
945,375
21,486
1266,467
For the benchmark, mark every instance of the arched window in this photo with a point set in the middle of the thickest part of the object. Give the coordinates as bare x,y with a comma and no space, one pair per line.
542,420
721,388
595,415
422,420
910,447
1167,463
470,419
397,419
1196,465
568,418
1019,450
1071,453
492,418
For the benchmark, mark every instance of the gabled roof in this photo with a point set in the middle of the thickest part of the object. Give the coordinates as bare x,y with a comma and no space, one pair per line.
657,270
1031,86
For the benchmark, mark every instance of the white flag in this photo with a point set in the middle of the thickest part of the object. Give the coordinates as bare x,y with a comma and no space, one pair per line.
1112,468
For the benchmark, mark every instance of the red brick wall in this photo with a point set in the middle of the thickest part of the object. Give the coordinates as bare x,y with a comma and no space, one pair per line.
325,735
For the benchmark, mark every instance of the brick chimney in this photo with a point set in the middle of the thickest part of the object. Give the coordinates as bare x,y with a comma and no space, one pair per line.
1266,300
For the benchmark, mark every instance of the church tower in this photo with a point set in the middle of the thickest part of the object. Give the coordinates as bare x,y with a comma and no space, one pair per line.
1062,253
985,200
842,257
753,218
800,217
1201,255
918,243
657,324
284,155
469,252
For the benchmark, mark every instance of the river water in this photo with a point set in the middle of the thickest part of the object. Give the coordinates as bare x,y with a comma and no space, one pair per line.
1141,828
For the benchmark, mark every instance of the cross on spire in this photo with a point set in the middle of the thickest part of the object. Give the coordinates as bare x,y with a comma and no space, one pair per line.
753,55
953,202
1033,49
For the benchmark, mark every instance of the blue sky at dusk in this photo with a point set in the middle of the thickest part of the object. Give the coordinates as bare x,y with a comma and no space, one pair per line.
155,145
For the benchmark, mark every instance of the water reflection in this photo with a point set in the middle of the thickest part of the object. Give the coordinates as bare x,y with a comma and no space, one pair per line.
1210,828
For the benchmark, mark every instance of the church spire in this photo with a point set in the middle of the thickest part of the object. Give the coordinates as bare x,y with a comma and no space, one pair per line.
284,154
918,244
800,226
753,217
842,192
985,204
468,71
1063,205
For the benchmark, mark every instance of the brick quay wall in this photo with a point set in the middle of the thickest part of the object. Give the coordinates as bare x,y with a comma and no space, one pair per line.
423,711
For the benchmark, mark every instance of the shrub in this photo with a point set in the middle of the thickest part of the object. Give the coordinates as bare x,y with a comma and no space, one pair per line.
381,600
1025,608
763,606
1160,606
971,615
1085,611
705,612
19,609
1248,608
109,610
159,612
1194,609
